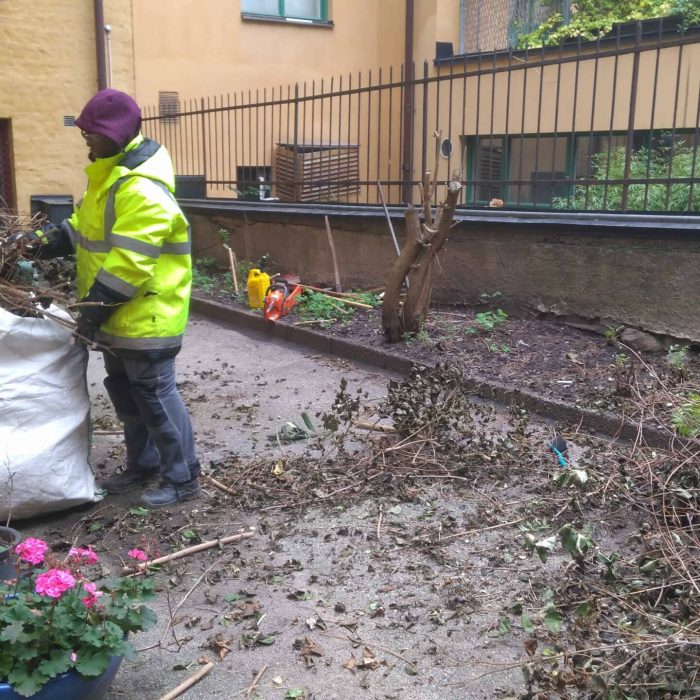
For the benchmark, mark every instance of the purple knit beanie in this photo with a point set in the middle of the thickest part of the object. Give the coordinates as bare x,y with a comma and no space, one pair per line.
113,114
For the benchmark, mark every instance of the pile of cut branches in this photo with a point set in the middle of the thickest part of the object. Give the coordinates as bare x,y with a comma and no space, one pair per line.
19,293
619,623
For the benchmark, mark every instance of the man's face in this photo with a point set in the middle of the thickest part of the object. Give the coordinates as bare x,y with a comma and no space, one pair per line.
100,146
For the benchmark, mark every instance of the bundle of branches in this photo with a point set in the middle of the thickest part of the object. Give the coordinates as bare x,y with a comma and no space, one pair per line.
436,435
18,292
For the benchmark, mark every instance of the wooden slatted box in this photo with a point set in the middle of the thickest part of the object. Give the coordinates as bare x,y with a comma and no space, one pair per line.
312,172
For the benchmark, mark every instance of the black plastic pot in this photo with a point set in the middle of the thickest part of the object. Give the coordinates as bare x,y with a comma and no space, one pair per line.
9,537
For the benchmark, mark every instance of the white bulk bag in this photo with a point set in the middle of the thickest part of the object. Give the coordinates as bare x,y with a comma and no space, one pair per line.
44,418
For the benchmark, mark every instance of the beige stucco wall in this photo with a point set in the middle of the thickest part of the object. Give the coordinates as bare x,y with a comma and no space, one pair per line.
48,71
206,48
227,61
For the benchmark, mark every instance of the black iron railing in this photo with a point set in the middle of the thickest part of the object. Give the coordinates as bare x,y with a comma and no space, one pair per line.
607,125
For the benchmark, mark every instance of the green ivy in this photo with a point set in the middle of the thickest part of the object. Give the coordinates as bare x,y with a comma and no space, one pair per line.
590,19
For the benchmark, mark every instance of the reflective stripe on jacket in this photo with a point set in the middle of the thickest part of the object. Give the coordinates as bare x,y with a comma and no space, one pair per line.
130,235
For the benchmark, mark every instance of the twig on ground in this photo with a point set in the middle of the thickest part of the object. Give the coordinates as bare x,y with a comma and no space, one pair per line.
256,680
219,485
194,678
143,566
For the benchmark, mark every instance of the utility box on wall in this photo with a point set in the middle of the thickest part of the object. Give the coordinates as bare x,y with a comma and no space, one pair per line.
55,207
308,172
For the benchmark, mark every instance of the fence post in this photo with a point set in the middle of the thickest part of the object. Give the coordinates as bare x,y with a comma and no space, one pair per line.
630,119
408,107
295,168
424,131
204,144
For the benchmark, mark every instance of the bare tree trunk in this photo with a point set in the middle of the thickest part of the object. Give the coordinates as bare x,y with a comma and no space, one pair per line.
416,260
391,306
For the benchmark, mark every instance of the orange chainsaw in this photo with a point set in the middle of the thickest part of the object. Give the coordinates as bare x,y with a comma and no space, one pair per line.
279,300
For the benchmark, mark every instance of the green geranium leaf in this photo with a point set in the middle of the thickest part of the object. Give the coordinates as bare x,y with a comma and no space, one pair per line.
58,662
26,684
147,617
92,664
14,632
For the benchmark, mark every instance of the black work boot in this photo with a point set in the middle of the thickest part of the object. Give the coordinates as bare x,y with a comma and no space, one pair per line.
127,480
168,494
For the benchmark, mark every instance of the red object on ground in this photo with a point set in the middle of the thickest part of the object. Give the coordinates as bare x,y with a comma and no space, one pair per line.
279,300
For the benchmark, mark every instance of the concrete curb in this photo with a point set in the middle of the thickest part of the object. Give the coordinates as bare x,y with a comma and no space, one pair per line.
609,424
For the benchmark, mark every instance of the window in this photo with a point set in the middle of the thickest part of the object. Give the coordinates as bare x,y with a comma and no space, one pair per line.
529,170
253,182
310,10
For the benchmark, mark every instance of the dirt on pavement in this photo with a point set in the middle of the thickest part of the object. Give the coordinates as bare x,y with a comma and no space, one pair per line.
383,565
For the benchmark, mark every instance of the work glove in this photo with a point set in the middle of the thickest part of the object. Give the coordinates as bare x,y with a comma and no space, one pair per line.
96,307
28,240
87,331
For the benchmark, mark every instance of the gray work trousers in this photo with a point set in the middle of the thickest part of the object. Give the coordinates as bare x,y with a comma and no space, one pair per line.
157,428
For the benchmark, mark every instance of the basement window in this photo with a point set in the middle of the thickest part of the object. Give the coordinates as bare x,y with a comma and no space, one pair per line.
311,12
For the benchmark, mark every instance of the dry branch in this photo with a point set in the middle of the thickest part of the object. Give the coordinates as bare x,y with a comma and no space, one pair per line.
143,566
194,678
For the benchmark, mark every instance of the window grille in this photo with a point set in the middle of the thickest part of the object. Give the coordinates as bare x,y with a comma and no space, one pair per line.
169,107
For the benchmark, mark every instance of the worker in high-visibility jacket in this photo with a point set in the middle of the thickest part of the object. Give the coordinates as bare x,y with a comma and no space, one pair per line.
134,273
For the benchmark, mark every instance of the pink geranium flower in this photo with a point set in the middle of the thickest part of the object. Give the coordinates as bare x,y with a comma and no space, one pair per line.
138,554
86,554
32,550
54,583
92,594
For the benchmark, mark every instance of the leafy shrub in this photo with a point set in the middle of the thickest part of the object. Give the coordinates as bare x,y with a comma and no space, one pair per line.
645,164
686,418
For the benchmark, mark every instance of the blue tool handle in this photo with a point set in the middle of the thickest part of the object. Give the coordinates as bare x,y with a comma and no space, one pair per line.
560,457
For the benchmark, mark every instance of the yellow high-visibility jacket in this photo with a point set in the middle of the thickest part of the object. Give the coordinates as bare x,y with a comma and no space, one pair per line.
132,240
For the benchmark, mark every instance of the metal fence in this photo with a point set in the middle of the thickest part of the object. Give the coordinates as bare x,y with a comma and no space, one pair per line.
605,125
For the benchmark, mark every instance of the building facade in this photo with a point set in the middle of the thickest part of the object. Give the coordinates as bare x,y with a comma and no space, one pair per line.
48,70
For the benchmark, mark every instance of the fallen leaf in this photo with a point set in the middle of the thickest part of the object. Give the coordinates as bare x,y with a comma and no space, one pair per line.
220,645
573,357
208,624
309,650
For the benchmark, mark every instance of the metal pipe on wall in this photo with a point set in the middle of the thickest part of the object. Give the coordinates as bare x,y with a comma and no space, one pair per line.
100,44
108,34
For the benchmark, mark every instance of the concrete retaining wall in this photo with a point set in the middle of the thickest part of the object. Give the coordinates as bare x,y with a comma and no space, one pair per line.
639,271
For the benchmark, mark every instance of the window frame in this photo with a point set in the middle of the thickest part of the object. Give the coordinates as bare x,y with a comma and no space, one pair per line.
320,21
510,142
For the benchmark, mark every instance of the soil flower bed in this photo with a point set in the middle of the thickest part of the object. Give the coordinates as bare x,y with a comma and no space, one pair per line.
596,372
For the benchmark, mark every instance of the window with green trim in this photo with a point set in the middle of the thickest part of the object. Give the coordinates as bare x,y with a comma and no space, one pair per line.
532,170
314,10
